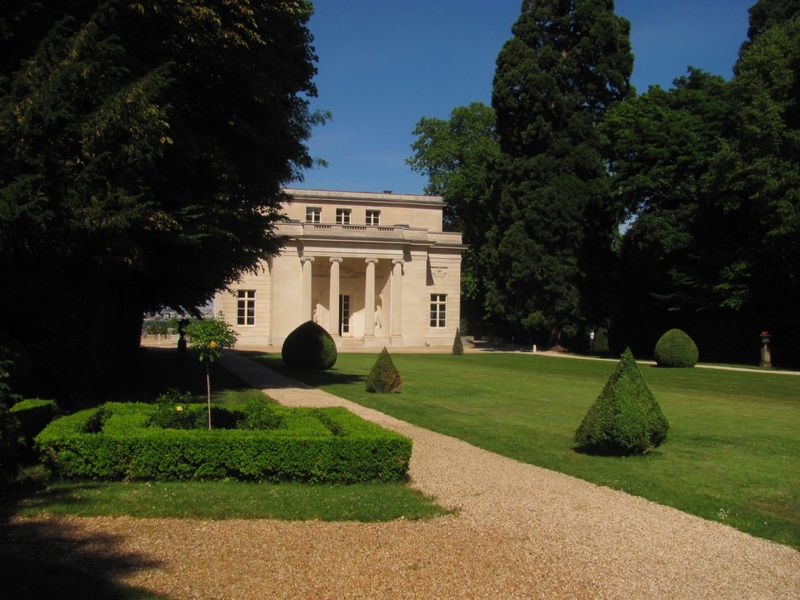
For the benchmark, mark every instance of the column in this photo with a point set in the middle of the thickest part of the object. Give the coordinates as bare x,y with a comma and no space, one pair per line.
306,308
397,297
334,296
369,298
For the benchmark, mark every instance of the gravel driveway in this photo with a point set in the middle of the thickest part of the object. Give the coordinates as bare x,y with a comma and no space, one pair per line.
520,532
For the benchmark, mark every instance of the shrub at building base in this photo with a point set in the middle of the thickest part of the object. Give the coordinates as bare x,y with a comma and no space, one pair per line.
120,442
458,345
675,349
309,347
625,418
384,377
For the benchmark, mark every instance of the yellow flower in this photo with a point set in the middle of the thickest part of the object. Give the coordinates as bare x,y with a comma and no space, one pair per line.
212,344
179,408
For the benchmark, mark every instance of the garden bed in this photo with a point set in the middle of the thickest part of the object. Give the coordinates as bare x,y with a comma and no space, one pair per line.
122,441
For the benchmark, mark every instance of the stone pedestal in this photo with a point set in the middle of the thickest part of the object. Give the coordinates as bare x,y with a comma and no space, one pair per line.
766,358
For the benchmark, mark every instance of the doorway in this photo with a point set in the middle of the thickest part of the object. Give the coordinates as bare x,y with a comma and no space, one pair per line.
344,315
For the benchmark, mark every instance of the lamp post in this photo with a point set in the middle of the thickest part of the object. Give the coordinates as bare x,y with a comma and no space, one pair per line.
766,358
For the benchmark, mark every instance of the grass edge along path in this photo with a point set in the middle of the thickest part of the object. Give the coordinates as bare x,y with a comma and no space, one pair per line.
226,499
732,453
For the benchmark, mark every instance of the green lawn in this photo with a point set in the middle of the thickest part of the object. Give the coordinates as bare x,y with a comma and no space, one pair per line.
732,453
366,502
369,502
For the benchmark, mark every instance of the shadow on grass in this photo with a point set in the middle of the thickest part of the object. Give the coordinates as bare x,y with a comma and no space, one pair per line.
52,558
313,378
612,452
158,370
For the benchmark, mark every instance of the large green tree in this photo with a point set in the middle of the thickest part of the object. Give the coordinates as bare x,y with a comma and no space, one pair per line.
708,172
759,172
553,215
765,14
680,242
456,155
147,143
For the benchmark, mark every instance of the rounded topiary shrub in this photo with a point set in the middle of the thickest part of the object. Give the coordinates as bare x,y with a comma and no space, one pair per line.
384,376
625,418
309,347
676,349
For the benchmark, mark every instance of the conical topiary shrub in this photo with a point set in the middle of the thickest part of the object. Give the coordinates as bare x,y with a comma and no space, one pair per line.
625,418
675,349
458,345
309,347
384,377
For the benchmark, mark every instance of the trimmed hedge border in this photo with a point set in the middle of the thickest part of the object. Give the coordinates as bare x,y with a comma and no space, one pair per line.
329,445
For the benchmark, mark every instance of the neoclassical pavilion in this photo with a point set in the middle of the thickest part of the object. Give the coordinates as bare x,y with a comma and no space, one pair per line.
373,269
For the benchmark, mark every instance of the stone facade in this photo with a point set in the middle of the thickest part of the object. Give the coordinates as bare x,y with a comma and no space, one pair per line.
372,269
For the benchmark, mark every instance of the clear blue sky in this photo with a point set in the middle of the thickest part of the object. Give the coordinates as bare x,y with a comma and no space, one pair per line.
385,64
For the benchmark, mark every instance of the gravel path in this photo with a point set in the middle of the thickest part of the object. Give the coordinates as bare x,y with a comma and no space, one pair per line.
520,532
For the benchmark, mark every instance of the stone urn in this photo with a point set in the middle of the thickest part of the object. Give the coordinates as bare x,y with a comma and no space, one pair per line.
766,358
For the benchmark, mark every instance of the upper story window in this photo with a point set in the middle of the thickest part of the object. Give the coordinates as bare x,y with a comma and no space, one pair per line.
313,214
343,216
373,217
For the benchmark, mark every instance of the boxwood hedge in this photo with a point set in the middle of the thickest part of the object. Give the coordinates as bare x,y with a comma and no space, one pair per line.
120,442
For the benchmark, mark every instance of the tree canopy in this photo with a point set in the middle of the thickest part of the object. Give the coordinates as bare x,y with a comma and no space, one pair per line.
148,144
709,171
457,155
678,208
553,216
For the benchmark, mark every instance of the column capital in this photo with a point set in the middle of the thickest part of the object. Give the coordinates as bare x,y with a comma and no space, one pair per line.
373,261
335,260
306,259
398,261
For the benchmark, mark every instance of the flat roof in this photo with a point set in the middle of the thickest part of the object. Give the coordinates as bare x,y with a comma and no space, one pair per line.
365,197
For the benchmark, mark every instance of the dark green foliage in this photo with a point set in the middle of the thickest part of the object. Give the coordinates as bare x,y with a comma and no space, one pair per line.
18,365
176,410
172,410
146,148
766,14
710,169
601,340
458,344
309,347
676,349
675,254
328,445
384,376
33,415
553,216
9,446
625,418
260,415
456,155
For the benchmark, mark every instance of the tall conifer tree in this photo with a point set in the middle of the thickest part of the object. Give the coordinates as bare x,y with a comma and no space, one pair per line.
568,61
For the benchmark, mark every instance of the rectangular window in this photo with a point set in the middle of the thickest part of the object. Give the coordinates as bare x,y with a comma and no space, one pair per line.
343,216
438,310
373,217
313,214
246,307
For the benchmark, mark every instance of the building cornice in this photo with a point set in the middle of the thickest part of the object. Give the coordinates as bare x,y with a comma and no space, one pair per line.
370,198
